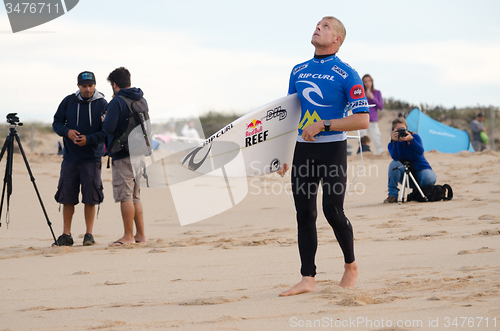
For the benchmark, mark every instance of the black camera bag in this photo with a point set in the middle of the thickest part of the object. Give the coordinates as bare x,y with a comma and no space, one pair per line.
433,193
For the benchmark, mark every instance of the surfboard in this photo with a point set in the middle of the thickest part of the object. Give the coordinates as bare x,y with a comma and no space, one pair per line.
264,138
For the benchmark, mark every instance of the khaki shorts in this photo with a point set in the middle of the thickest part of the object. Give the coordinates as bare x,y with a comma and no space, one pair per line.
125,187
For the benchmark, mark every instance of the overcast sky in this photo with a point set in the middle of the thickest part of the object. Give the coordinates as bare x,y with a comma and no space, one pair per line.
237,55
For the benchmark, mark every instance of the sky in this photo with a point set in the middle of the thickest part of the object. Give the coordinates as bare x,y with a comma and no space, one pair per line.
234,56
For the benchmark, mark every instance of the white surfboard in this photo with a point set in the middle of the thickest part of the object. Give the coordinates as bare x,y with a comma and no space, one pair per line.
264,138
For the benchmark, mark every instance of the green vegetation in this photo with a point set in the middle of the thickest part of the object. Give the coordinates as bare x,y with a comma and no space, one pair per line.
459,118
456,117
24,132
210,122
213,121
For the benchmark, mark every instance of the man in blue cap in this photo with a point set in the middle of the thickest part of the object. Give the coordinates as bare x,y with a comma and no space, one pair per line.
79,121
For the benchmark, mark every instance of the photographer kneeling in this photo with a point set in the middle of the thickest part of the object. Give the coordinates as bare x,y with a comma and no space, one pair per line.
406,146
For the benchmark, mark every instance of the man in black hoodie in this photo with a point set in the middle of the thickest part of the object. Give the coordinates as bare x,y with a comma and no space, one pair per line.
79,121
126,189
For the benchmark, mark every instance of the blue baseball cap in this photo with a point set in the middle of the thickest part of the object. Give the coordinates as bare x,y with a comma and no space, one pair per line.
86,77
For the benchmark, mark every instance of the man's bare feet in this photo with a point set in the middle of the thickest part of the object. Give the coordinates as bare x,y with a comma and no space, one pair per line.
350,275
307,284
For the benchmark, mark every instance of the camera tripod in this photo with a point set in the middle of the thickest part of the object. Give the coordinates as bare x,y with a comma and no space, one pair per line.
406,182
7,180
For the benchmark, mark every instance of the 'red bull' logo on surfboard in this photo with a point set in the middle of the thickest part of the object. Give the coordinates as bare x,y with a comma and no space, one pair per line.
254,127
254,134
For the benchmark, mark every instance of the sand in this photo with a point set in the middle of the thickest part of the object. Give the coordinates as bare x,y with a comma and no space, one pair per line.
423,266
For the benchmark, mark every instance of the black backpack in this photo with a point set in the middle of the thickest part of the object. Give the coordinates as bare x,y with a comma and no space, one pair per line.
433,193
138,116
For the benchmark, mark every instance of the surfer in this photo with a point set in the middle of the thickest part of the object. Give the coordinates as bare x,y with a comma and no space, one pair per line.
327,87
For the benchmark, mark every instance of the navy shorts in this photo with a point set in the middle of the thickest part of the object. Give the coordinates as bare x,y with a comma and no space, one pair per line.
88,175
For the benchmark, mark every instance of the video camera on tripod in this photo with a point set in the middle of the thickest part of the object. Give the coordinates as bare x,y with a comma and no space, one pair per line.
8,146
13,119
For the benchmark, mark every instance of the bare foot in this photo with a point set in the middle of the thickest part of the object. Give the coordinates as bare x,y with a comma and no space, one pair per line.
140,239
350,275
307,284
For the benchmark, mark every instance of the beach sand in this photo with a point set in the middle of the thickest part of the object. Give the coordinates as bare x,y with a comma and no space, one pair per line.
423,266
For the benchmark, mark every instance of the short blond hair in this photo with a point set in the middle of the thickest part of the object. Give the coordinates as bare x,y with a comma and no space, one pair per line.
338,26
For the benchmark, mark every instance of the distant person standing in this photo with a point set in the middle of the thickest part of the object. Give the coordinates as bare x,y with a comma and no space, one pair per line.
190,132
78,120
476,127
374,97
126,189
171,131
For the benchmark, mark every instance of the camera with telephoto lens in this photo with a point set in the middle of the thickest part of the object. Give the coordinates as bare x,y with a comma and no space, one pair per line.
402,132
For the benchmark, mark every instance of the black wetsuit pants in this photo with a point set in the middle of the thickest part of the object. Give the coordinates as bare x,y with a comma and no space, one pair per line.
325,164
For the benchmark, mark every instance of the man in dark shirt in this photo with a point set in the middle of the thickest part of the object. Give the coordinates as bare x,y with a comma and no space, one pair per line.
79,121
126,186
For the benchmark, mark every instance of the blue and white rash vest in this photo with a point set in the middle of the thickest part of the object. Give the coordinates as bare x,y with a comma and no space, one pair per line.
327,88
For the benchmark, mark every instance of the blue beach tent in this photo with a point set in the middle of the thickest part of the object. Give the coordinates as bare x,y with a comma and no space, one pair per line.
436,135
